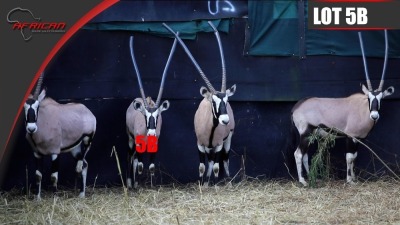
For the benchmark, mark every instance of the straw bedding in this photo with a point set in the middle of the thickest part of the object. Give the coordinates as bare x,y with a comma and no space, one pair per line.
248,202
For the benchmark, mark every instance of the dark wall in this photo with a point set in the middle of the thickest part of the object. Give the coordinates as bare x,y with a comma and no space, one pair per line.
95,68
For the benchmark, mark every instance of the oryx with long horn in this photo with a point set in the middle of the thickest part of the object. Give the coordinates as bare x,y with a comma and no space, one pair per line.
143,123
213,122
354,115
53,128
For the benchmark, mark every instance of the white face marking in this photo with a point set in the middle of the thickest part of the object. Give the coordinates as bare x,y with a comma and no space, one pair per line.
379,97
217,102
149,115
225,99
26,107
31,127
374,115
371,98
223,119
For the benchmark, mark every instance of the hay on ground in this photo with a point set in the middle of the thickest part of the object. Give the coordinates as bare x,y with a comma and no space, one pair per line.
248,202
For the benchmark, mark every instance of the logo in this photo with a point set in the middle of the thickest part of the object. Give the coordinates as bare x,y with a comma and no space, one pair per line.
25,21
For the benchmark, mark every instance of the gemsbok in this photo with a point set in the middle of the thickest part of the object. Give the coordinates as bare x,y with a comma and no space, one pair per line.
53,128
213,121
354,115
143,123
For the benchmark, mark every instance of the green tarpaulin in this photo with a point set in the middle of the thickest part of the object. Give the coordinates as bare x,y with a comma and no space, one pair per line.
279,28
187,30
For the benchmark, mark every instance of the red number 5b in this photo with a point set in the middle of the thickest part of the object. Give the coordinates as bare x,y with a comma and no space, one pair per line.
151,145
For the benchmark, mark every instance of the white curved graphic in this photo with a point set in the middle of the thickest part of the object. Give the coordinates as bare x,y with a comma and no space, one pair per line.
16,21
227,6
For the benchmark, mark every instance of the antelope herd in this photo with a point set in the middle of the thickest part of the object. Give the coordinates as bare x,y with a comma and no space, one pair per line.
53,128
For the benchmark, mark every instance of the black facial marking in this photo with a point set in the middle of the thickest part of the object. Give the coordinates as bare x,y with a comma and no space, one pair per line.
374,105
152,123
30,101
222,106
31,116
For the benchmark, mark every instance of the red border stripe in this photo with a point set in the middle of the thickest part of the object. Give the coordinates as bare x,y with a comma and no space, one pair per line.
81,22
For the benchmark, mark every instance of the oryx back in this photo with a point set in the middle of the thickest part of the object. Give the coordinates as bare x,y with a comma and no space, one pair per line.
350,114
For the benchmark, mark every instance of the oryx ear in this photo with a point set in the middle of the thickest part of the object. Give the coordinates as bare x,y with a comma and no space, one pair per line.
164,106
204,92
365,89
231,91
388,91
138,106
42,95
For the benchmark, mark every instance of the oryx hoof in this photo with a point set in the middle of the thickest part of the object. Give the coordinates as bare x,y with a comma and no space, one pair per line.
216,169
351,182
140,168
129,183
303,182
82,195
38,198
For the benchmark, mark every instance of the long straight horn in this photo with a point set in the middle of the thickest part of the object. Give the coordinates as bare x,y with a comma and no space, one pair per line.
365,62
165,72
210,87
223,87
137,73
38,86
385,62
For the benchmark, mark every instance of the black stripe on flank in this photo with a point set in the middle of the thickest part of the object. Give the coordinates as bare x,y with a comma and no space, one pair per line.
215,124
227,136
76,143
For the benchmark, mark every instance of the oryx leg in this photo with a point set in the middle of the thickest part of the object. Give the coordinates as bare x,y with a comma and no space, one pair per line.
152,167
140,163
216,160
135,167
202,166
305,163
301,158
55,163
81,164
210,159
350,157
38,174
300,154
130,163
225,153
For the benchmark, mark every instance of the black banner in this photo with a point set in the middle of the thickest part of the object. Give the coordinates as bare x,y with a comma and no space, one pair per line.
353,15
